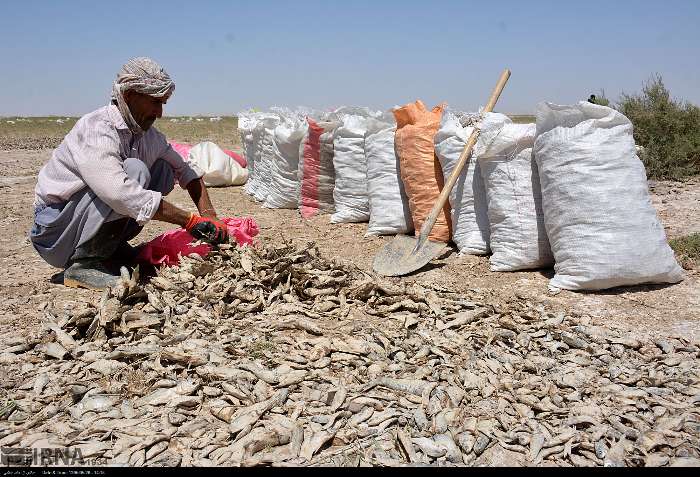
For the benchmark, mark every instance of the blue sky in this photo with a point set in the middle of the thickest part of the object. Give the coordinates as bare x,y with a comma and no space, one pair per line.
60,57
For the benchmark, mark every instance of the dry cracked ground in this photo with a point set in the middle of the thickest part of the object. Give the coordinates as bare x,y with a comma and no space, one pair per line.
295,354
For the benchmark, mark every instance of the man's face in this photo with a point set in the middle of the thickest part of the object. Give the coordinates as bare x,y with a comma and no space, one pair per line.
145,109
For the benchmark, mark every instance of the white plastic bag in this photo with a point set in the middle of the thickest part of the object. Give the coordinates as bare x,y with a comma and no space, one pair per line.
350,165
602,227
219,168
264,135
388,203
470,223
256,131
246,127
518,237
284,167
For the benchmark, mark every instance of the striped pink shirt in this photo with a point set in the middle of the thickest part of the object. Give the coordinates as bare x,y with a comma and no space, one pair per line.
92,155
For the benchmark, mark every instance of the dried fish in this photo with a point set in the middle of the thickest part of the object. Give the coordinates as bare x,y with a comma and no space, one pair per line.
481,444
338,398
248,416
106,367
40,383
452,451
416,387
300,324
187,387
463,318
314,442
53,350
296,440
274,355
192,358
407,446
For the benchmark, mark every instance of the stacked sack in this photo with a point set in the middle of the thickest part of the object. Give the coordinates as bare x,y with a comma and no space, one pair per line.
567,191
514,201
317,162
496,202
257,137
271,143
350,165
282,188
603,229
316,174
388,204
246,125
467,200
420,170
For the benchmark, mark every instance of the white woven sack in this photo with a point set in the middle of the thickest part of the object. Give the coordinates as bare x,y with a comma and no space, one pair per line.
470,222
263,154
350,165
602,227
283,181
518,237
219,169
246,126
388,203
339,114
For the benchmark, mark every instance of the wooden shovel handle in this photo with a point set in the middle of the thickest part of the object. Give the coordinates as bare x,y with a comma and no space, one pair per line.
442,199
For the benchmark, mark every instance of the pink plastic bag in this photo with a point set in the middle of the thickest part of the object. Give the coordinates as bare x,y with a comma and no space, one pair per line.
236,157
243,229
167,248
184,151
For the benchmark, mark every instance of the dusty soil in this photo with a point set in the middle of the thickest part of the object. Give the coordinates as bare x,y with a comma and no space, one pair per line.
26,280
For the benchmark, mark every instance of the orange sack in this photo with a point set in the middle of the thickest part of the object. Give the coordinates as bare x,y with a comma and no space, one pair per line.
421,173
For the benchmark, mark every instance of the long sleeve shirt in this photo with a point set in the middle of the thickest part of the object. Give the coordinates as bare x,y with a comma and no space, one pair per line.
92,155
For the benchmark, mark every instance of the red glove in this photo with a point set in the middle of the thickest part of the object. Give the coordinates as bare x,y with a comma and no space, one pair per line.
207,229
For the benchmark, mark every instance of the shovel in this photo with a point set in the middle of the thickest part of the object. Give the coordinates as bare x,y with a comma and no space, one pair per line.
406,254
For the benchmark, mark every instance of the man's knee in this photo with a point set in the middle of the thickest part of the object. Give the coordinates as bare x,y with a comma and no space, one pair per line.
137,170
162,177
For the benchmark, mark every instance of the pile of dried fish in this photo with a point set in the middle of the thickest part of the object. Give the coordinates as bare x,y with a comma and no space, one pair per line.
277,356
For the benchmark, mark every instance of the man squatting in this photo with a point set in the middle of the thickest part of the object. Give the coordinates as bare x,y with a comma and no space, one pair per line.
108,178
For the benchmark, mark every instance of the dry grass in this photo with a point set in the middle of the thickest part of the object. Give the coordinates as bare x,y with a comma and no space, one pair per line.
192,130
136,384
522,118
261,349
40,132
46,126
48,131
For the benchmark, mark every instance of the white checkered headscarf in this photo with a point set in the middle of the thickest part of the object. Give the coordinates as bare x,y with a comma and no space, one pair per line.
142,75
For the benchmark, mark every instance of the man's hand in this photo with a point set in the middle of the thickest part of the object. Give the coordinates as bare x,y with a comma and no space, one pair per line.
200,197
204,226
207,229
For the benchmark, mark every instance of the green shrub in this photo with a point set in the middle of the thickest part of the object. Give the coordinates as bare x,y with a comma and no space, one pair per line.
687,249
668,129
601,99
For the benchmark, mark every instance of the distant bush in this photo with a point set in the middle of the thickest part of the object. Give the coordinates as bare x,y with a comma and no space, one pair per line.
687,249
601,99
668,129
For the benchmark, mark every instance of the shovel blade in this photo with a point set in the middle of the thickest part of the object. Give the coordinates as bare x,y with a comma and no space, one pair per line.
400,256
